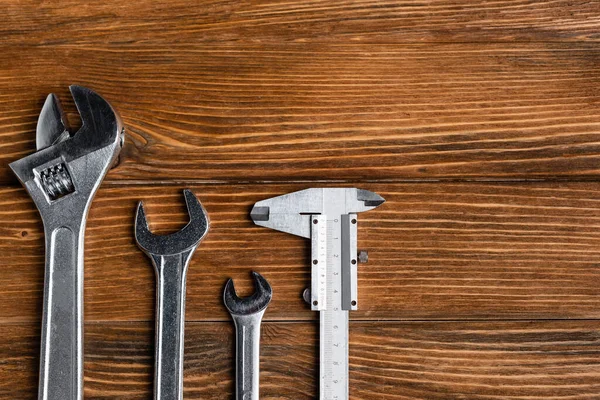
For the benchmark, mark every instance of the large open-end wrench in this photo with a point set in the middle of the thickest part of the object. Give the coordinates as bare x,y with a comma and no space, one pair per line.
170,255
62,178
247,315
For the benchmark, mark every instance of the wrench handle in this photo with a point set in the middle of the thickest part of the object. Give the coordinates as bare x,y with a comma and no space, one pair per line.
247,370
170,322
61,359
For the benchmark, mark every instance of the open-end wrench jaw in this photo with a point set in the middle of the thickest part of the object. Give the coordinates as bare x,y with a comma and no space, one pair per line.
257,302
179,242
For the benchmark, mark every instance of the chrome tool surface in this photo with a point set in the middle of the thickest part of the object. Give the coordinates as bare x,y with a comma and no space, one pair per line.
328,216
170,255
247,315
62,178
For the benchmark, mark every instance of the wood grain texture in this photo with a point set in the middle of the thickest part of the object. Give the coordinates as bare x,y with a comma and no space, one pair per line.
475,289
452,251
427,360
179,21
299,111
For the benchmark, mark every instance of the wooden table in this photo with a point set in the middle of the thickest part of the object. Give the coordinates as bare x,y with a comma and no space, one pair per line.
478,121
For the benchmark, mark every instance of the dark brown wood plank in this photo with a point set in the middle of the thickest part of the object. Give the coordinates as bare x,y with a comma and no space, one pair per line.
294,111
283,21
517,360
452,251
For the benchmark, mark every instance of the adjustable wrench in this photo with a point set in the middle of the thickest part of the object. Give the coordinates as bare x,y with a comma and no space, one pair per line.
170,255
247,314
62,178
328,216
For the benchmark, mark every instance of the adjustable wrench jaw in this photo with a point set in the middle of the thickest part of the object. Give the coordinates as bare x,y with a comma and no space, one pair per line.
64,174
291,213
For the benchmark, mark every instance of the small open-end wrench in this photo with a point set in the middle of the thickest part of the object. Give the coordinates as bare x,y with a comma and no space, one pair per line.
170,255
247,314
62,178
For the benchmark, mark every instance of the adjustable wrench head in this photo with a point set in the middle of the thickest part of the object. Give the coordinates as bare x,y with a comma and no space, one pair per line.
291,212
185,240
253,304
70,165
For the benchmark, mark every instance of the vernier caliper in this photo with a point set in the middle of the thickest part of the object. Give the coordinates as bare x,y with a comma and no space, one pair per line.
328,216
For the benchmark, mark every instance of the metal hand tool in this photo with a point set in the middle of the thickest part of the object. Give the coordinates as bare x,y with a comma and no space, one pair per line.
170,255
247,314
328,217
62,178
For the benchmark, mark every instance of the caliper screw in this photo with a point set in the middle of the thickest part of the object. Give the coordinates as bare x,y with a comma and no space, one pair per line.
363,256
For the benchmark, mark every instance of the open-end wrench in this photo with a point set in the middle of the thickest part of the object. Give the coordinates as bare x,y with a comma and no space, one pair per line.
62,178
247,314
170,255
328,216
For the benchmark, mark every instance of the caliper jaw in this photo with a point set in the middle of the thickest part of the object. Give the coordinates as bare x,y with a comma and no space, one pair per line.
291,213
305,213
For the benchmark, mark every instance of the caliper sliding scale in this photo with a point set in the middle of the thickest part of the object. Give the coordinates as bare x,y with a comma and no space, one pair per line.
328,216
